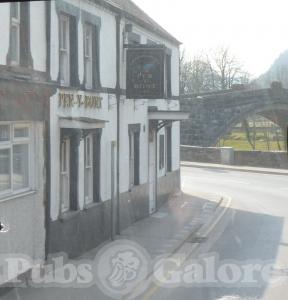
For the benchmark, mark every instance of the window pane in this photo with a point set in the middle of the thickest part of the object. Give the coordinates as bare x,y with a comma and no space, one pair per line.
5,170
14,10
64,68
20,167
4,133
21,132
162,152
88,152
64,33
88,73
14,43
64,157
88,40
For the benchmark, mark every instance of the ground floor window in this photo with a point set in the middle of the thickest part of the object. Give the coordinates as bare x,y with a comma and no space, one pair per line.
161,151
65,174
168,148
70,163
88,166
15,152
134,154
69,160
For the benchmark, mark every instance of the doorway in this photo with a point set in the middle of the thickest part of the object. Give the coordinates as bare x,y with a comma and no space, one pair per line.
152,170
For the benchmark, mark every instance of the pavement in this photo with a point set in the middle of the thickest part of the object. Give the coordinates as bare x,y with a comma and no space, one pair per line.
162,234
177,220
246,169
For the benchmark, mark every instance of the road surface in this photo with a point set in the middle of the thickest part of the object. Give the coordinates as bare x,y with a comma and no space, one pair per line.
254,230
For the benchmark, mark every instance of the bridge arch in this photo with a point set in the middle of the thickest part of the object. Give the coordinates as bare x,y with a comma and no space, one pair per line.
213,116
272,113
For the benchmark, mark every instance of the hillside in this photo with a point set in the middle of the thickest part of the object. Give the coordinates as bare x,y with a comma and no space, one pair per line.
277,72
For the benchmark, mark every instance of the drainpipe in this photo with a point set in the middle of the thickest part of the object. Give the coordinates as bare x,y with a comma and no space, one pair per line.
47,134
118,95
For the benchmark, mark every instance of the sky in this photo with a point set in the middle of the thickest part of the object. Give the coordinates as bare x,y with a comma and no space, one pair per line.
256,31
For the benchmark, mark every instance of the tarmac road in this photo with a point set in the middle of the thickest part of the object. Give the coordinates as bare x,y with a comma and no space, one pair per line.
254,231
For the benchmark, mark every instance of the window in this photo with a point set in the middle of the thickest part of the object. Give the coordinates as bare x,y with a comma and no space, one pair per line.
15,33
91,54
168,148
88,61
131,159
168,92
64,50
162,152
65,174
88,176
14,157
134,154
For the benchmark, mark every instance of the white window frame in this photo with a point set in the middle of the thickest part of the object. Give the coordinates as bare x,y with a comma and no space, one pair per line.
15,23
9,145
88,59
64,49
88,172
65,173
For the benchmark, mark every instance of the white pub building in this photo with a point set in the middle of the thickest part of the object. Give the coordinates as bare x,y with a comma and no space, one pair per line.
89,122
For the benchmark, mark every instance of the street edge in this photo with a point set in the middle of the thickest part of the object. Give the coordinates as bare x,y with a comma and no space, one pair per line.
223,205
234,168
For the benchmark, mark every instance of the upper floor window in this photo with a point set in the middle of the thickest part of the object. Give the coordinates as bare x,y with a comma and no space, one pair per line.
64,50
88,59
19,53
168,88
15,33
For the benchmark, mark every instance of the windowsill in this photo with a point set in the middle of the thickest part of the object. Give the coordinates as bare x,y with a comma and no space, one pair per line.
21,194
68,215
133,188
91,205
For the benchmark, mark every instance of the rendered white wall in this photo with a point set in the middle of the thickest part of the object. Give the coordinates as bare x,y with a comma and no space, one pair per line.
38,35
54,40
4,31
131,111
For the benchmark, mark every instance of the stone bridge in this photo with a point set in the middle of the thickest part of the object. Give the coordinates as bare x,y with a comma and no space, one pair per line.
214,115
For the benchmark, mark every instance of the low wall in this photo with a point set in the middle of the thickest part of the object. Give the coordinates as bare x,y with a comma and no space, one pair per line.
278,160
229,156
201,154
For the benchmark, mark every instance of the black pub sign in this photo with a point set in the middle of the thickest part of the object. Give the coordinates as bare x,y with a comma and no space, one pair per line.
145,72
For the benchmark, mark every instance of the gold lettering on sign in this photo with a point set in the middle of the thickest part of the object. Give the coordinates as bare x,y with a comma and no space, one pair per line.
67,100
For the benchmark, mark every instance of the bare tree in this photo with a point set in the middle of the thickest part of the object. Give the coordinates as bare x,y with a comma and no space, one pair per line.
211,72
197,75
228,67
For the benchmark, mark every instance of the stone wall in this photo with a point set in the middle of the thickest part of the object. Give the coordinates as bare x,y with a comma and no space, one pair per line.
229,156
201,154
277,160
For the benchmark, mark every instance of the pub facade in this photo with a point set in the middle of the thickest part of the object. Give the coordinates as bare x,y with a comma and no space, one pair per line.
106,145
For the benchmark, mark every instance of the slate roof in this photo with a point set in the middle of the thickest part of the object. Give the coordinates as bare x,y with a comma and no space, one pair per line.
133,12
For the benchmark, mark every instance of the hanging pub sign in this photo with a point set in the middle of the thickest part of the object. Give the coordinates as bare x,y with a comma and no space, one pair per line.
145,72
